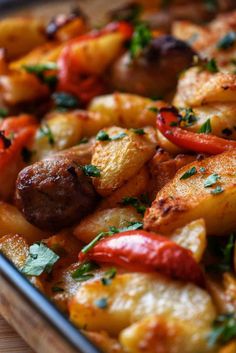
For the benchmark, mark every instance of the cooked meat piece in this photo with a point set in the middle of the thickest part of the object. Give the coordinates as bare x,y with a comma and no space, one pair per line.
54,193
155,71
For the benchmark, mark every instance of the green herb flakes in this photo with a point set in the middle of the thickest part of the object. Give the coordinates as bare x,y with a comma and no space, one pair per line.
83,272
206,127
153,110
3,113
135,202
102,136
101,303
211,66
91,170
140,40
227,41
138,131
65,100
189,173
217,190
41,259
118,136
211,180
108,276
46,131
223,330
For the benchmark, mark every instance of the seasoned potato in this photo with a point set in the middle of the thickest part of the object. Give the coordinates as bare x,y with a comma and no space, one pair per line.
66,132
13,222
229,348
104,342
126,110
15,248
133,296
101,220
133,187
192,237
18,87
166,334
19,35
182,201
120,159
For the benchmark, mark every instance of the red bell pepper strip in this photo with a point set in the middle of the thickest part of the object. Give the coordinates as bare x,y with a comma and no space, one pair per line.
139,250
167,121
70,80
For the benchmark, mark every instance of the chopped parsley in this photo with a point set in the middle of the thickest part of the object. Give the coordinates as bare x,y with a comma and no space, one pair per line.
108,276
218,190
39,70
153,109
223,330
64,100
102,136
138,131
46,131
224,254
118,136
211,180
112,231
206,127
188,119
202,169
189,173
101,303
211,66
135,202
57,289
3,113
140,40
227,41
91,170
41,259
83,272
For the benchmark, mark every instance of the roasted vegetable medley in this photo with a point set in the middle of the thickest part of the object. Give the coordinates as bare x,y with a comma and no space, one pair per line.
118,171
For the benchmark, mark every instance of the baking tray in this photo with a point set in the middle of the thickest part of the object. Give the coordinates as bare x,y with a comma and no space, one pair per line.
27,310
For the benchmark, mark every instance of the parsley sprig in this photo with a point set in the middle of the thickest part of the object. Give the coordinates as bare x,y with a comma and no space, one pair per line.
140,40
223,330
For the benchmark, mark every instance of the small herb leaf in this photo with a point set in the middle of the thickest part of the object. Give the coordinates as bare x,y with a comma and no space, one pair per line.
189,173
91,170
140,39
211,180
206,127
227,41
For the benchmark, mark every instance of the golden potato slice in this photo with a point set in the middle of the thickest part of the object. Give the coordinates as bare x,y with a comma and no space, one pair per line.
166,334
15,248
101,220
104,342
66,132
192,237
229,348
13,222
119,160
133,187
127,110
19,35
184,200
133,296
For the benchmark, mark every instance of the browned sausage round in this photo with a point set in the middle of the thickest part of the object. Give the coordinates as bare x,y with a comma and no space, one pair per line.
155,71
55,193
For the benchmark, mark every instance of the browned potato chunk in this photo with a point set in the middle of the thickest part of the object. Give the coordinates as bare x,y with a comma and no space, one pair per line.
187,199
15,248
13,222
120,159
134,296
19,35
167,334
100,221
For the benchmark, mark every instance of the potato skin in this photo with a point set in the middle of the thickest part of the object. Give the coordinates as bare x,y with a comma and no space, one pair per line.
182,201
55,193
121,159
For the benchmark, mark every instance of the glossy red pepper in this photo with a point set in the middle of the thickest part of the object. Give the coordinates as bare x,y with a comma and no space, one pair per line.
85,88
167,119
139,250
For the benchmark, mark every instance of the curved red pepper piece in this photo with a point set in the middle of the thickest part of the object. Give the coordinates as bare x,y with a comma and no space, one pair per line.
167,118
139,250
69,77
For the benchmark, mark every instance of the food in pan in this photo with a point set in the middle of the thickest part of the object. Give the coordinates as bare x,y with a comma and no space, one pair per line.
118,171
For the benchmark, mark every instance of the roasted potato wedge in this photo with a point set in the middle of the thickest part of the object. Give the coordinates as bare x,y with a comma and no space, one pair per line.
15,248
184,200
101,220
133,296
120,159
